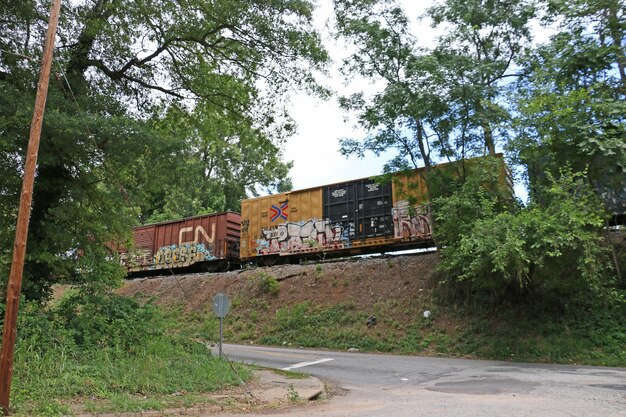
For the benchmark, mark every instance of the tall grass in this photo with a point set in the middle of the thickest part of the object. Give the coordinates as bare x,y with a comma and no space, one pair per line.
104,353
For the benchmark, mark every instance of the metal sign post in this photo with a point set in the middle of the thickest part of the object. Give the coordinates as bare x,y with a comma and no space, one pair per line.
221,306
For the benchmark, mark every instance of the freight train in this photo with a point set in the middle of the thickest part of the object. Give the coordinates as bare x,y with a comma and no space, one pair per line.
347,218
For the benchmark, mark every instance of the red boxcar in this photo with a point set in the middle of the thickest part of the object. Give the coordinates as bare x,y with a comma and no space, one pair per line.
210,241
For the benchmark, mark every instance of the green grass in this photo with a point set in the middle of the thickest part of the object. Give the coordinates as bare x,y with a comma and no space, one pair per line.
530,332
514,333
290,374
596,337
56,375
116,381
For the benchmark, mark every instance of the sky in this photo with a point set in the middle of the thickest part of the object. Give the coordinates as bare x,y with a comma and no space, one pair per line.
314,149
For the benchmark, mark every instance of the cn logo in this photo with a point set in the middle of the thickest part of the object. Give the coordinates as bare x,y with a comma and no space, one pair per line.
199,232
278,212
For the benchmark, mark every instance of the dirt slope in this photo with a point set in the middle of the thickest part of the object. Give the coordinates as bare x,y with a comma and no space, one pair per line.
391,286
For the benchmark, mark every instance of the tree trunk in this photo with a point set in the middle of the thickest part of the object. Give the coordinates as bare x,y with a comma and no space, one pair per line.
487,132
614,29
422,146
78,62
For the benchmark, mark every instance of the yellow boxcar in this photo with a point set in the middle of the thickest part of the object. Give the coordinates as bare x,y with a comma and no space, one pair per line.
345,217
358,216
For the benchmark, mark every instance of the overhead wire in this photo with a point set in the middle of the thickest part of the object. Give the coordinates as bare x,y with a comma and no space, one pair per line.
70,93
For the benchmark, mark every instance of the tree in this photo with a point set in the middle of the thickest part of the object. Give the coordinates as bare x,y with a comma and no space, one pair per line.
443,103
451,101
384,54
549,249
484,40
215,161
119,67
571,108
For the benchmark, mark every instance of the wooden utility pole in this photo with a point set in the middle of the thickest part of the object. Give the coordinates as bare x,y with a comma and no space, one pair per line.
23,216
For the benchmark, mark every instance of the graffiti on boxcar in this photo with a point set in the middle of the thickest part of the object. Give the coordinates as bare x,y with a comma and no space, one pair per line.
295,237
172,256
176,256
136,259
411,223
245,225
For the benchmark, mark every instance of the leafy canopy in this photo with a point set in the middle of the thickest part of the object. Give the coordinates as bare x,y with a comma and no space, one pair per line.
155,110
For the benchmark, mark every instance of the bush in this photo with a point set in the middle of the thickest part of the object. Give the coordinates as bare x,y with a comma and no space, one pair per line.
268,283
102,346
552,247
98,319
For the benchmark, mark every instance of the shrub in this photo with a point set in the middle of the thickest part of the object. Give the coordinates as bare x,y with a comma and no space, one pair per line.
552,246
99,319
268,283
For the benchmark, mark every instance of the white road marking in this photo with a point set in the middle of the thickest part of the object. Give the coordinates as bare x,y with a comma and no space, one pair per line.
303,364
267,353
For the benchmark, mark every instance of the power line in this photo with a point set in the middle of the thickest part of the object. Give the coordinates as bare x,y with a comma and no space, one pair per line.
70,93
30,58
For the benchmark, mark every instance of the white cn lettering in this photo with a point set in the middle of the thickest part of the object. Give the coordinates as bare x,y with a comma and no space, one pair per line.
199,230
182,232
208,238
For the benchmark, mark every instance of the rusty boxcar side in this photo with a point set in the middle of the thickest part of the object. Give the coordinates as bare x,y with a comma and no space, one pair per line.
208,240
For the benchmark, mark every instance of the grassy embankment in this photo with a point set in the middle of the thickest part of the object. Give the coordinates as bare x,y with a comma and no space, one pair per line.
99,354
94,353
528,331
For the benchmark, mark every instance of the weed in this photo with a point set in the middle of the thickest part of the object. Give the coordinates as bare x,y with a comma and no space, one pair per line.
318,270
290,374
62,356
236,301
292,394
51,409
268,283
260,304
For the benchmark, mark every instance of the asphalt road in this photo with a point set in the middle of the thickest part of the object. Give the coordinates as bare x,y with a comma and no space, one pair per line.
376,385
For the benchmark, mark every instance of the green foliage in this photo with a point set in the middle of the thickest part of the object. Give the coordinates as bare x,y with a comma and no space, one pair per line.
571,102
98,319
530,331
551,247
107,348
292,394
308,326
440,103
155,110
216,159
268,283
535,331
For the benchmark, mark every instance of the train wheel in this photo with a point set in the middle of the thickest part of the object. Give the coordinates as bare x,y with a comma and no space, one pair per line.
223,266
